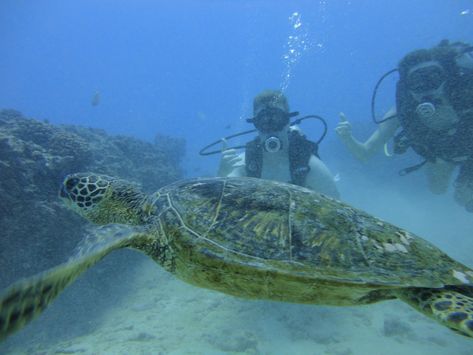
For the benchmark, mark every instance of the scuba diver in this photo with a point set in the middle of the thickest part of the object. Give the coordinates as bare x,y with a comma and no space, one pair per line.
280,151
434,117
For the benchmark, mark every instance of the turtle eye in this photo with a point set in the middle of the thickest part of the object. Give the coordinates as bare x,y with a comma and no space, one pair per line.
71,183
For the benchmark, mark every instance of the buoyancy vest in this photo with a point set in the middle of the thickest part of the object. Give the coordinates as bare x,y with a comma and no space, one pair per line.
300,151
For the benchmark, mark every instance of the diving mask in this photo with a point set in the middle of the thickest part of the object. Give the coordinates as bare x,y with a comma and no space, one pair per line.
426,79
270,119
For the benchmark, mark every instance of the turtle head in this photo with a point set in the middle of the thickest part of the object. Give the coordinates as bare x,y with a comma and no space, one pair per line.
103,199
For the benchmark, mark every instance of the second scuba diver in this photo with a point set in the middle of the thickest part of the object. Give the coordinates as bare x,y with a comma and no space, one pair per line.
434,112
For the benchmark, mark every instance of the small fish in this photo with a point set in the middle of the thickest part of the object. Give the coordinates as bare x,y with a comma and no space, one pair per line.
337,177
465,12
95,99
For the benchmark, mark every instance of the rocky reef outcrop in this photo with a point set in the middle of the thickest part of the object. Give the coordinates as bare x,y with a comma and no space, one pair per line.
36,231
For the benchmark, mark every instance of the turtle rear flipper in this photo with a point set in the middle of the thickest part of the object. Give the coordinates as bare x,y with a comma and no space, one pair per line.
452,307
26,299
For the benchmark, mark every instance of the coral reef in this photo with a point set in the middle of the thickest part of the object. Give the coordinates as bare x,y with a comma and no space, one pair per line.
37,232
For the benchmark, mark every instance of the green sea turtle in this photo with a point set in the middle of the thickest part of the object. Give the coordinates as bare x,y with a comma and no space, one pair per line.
255,239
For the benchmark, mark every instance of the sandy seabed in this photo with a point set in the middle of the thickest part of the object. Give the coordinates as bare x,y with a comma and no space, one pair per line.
162,315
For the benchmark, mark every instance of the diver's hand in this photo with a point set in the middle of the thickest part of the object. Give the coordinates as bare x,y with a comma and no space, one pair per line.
343,128
230,160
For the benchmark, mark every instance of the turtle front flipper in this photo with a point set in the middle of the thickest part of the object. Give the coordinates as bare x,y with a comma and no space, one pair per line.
26,299
452,306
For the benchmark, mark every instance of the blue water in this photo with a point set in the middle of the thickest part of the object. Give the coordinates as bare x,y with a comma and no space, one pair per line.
191,68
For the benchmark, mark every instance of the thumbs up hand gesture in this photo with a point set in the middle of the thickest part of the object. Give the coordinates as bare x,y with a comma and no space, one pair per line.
343,128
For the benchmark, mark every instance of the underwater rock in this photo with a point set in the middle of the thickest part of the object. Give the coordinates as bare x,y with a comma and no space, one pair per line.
173,148
38,232
34,158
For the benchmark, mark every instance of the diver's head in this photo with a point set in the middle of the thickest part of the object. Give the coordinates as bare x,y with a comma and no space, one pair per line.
426,83
427,76
270,112
425,72
271,118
